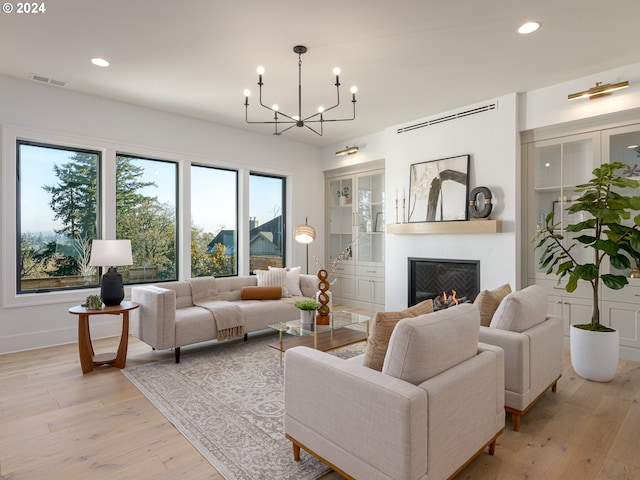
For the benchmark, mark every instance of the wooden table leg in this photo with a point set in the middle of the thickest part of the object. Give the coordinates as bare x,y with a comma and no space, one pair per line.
121,356
85,349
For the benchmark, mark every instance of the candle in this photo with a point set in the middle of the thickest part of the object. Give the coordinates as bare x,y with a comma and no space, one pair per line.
396,194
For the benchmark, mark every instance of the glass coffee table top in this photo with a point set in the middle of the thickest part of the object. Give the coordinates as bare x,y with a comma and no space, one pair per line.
339,319
322,337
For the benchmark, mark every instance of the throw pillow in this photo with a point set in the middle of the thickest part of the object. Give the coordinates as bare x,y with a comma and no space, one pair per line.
261,293
521,310
487,302
423,347
273,278
293,280
380,329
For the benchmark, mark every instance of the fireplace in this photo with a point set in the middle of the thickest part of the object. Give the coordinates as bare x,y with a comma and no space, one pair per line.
430,277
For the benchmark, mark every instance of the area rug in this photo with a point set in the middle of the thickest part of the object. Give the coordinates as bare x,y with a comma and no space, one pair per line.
229,403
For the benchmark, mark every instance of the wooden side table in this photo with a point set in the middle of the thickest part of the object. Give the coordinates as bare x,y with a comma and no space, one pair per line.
88,359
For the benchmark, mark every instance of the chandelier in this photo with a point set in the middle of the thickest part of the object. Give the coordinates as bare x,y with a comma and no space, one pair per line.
282,119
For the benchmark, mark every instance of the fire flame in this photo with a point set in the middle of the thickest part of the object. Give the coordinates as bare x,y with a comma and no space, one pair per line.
453,296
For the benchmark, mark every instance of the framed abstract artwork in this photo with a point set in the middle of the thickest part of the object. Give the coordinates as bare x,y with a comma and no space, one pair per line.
439,190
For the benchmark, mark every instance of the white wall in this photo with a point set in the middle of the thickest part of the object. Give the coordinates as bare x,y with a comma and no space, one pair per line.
491,140
46,113
550,106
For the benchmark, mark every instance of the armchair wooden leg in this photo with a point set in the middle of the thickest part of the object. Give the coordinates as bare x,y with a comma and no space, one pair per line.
554,387
492,447
516,421
296,452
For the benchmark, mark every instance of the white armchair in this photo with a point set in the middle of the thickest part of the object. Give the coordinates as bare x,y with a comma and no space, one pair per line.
438,402
533,348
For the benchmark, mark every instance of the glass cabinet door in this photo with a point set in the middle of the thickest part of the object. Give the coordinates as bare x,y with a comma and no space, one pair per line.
623,145
558,166
341,216
370,218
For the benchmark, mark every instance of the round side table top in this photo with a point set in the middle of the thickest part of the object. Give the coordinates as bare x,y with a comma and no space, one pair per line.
106,310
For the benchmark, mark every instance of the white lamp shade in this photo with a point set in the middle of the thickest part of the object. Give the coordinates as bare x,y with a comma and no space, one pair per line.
304,234
108,253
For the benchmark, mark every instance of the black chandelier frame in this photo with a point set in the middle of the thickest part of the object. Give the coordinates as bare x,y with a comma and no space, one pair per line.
300,121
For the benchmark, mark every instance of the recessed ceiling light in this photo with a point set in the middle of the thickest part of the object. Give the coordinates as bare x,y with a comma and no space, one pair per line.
528,27
100,62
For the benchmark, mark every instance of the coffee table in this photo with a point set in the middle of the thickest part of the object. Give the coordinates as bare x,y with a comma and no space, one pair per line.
322,337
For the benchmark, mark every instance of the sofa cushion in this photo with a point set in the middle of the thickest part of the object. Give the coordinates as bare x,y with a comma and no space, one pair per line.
261,293
521,310
293,280
488,301
273,278
380,330
425,346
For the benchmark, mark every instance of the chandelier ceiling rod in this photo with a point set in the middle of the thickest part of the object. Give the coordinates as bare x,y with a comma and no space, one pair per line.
299,120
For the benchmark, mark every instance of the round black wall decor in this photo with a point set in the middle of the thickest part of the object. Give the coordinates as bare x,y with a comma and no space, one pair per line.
480,202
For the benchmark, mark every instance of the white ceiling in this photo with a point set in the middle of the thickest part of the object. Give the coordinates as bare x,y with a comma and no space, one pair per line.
409,58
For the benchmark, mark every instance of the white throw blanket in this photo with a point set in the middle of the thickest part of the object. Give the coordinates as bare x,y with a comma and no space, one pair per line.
228,317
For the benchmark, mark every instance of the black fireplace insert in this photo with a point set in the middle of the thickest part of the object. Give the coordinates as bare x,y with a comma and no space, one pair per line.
430,277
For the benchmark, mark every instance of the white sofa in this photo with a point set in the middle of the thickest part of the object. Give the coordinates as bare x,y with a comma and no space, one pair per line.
438,402
533,345
168,318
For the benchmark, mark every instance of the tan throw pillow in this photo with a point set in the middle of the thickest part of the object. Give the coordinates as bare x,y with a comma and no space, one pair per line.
487,302
380,329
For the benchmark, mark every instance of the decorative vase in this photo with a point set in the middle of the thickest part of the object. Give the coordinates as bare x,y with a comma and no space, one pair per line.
307,318
594,355
324,309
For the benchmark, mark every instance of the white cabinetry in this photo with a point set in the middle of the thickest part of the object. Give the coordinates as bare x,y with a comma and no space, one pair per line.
552,169
355,229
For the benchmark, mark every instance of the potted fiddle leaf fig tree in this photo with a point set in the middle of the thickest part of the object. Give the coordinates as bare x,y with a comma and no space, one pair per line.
609,232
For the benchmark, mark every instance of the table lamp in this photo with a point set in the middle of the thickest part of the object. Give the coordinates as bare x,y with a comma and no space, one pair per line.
107,253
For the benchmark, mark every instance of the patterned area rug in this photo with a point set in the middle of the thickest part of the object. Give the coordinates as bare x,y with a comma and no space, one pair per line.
229,402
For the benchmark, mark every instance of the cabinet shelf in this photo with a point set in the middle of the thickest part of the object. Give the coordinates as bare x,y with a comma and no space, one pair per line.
457,227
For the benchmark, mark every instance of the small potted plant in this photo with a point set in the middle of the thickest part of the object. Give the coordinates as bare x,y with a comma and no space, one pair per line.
344,196
609,233
308,307
93,302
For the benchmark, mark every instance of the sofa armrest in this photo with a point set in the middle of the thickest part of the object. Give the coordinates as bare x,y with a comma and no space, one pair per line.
516,356
546,345
156,316
365,421
469,398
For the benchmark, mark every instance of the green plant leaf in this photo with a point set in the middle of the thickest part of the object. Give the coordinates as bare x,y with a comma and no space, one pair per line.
572,284
614,282
621,262
587,271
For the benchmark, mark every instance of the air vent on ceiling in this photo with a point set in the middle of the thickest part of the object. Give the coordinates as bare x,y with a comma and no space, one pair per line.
42,79
454,116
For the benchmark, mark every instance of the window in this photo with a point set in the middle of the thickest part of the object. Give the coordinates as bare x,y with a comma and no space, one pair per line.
266,225
146,192
57,216
214,220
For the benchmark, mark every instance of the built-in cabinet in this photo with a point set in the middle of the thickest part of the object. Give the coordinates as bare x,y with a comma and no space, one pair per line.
552,168
355,238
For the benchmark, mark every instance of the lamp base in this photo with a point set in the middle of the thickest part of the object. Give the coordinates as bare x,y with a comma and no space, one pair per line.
111,288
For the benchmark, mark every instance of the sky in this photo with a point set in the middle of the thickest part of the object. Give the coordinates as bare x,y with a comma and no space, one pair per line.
213,191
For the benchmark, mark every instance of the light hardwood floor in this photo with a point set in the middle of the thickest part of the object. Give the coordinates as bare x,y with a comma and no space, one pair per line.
56,423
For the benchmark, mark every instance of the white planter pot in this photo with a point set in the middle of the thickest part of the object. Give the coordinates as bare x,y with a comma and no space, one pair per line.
594,355
307,318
